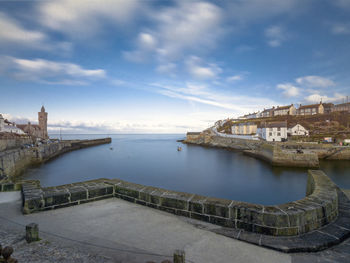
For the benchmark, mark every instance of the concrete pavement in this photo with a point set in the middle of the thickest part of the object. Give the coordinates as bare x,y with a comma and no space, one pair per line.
127,232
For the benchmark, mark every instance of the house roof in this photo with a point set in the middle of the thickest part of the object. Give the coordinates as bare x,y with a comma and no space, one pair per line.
292,125
327,105
283,107
22,126
267,110
342,104
243,123
274,124
309,106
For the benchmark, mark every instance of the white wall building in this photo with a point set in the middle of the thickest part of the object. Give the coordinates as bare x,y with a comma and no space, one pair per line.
273,131
297,130
9,127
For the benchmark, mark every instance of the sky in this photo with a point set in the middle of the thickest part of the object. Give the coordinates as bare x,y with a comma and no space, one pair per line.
137,66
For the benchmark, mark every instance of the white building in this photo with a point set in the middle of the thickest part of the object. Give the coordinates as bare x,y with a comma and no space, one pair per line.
6,126
297,130
273,131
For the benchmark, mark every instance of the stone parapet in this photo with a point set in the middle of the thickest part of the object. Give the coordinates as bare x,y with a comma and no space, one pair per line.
37,199
317,209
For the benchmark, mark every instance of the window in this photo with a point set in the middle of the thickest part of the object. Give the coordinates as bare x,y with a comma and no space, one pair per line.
278,134
270,133
278,129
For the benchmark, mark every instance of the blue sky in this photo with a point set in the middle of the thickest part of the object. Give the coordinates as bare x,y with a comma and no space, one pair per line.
168,66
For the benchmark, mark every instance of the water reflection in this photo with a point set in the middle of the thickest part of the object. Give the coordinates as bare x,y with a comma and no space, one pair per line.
154,160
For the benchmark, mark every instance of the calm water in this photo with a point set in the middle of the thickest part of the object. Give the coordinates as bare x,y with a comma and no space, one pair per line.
154,160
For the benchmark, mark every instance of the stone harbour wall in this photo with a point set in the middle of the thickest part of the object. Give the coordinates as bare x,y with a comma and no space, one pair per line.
274,153
317,209
13,162
7,144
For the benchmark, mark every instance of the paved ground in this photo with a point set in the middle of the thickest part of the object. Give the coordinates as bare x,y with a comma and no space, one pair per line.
123,226
114,230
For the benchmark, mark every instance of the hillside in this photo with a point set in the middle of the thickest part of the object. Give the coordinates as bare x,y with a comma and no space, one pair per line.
335,124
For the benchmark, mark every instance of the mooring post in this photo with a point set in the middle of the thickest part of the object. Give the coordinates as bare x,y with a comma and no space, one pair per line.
32,232
179,256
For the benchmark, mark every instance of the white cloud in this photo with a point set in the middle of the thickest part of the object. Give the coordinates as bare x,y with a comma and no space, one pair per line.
315,82
81,18
184,27
237,104
316,98
289,90
147,41
235,78
12,31
49,72
14,34
340,29
199,69
275,35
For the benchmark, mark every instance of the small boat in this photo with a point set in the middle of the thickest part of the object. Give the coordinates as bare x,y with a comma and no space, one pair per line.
179,148
111,148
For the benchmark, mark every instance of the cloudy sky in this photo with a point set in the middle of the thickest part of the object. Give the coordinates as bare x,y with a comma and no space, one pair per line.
168,66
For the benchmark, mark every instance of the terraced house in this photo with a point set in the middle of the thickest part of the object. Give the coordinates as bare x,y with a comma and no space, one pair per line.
311,109
285,110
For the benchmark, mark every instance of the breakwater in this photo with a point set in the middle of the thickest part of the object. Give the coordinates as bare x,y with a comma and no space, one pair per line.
278,154
317,209
15,160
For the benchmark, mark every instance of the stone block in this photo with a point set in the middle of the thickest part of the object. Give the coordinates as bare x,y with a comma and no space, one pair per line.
167,209
127,198
175,200
99,190
129,189
217,207
77,193
244,225
179,256
183,213
145,193
32,204
32,232
221,221
53,197
247,212
200,217
196,204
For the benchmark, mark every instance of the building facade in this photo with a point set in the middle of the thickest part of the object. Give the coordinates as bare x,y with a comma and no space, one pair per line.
9,127
37,130
285,110
310,109
297,130
247,128
267,112
342,107
273,131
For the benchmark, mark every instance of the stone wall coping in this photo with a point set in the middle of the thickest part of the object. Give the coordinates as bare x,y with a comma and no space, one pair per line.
317,209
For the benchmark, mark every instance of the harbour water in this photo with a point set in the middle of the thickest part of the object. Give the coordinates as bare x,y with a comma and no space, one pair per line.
153,159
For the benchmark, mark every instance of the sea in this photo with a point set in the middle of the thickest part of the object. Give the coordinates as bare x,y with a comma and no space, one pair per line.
154,160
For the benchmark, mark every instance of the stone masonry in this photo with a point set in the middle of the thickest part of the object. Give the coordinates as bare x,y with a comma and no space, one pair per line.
317,209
